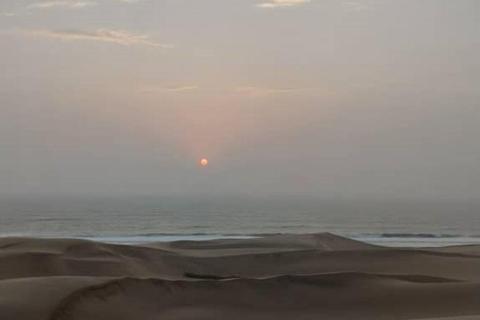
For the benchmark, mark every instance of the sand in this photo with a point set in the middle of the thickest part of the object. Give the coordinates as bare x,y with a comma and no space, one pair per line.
320,276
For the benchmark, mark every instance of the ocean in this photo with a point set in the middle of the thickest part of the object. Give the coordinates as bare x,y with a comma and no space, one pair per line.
138,219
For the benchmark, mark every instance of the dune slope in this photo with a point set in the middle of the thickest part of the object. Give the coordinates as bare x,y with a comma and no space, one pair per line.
320,276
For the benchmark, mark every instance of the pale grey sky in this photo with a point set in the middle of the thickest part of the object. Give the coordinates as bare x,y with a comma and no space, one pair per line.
330,98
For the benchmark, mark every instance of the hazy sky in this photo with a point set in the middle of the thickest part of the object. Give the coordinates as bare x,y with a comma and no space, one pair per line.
328,98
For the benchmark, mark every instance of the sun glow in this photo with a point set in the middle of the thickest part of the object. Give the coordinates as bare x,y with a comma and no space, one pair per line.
203,162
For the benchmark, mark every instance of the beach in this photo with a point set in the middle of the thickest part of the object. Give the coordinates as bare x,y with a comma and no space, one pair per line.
312,276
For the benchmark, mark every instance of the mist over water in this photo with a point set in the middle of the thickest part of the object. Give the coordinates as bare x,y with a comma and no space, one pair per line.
157,218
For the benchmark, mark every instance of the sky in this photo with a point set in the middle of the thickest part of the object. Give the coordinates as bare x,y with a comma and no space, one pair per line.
323,98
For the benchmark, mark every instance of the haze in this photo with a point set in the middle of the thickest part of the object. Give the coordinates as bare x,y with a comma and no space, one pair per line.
351,99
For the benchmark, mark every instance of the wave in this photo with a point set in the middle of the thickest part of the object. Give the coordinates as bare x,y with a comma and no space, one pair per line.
359,235
402,235
419,235
203,236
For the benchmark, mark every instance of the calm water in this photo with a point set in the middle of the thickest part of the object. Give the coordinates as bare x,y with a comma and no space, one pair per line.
142,219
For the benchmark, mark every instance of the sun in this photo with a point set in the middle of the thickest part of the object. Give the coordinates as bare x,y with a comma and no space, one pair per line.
203,162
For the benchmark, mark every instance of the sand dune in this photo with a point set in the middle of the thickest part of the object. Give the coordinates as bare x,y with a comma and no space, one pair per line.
319,276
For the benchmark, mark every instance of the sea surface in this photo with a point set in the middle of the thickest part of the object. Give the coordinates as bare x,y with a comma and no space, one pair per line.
137,219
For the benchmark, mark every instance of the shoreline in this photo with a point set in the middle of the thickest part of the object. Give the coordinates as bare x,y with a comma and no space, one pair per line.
386,239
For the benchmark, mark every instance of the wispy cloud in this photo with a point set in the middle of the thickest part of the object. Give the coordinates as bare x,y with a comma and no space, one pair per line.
354,6
128,1
103,35
8,14
258,91
151,89
281,3
65,4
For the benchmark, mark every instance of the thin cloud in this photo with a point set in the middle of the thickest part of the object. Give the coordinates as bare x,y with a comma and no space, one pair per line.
65,4
168,89
102,35
281,4
354,6
255,91
127,1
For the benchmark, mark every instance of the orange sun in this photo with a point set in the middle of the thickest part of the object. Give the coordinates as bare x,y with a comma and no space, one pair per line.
203,162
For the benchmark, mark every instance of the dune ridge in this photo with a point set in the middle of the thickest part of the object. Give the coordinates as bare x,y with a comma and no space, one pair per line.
319,276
